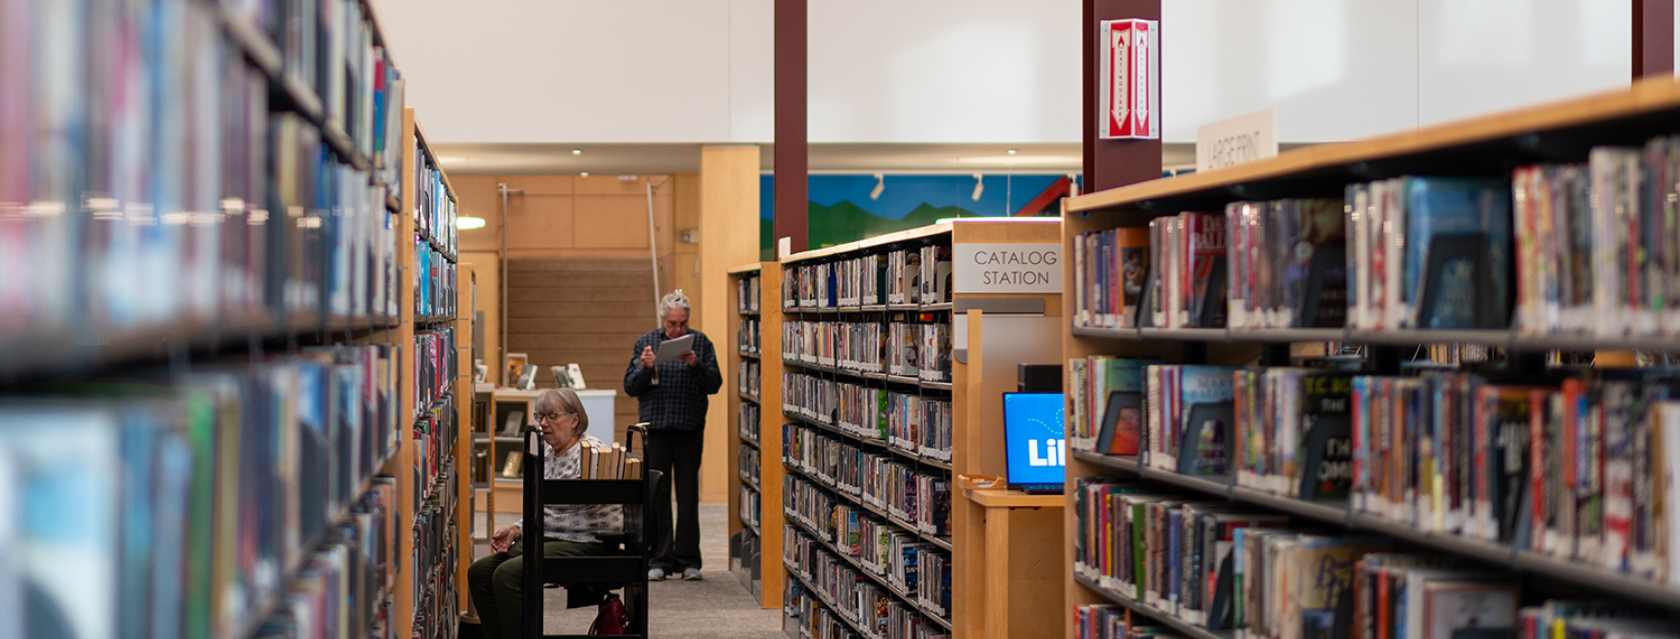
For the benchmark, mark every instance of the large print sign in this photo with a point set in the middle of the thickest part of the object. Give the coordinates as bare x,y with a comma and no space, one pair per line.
1130,79
1006,268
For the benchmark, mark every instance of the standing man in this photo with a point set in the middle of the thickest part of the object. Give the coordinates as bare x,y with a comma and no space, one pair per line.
671,399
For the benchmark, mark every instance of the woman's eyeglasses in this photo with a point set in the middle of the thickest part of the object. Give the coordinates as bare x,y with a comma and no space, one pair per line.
543,417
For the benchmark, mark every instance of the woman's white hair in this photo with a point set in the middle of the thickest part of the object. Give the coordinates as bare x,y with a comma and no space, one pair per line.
672,302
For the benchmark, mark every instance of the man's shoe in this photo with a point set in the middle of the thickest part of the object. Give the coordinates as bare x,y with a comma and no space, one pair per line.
692,574
656,574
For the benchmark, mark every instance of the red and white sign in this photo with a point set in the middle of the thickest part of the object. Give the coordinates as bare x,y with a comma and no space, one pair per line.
1130,79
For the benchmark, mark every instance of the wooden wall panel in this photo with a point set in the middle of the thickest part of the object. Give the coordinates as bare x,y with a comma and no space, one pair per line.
541,184
541,222
611,221
612,185
582,310
685,258
477,197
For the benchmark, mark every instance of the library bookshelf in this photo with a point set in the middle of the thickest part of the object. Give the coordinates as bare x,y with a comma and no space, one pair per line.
885,406
429,470
234,366
1485,147
756,489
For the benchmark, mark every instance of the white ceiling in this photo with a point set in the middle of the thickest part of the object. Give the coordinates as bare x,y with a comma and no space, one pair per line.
653,159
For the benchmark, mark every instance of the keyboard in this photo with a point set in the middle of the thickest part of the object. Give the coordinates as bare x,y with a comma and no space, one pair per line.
1038,489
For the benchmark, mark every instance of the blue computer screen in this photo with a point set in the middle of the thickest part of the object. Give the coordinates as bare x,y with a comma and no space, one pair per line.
1034,434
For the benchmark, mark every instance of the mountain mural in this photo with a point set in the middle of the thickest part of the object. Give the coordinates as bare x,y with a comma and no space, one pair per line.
846,222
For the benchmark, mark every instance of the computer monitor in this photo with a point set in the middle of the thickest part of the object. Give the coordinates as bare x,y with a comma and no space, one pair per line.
1035,445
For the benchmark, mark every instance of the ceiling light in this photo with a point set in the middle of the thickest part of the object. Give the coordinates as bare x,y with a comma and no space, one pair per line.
584,174
467,223
1012,151
979,186
577,151
880,186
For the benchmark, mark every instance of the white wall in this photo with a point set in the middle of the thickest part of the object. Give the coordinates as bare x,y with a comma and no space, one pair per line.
564,70
1344,69
981,70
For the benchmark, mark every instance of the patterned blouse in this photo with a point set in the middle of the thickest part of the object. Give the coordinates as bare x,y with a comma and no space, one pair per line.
575,523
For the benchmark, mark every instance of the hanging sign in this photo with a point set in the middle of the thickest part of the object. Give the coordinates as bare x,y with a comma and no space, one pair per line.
1130,79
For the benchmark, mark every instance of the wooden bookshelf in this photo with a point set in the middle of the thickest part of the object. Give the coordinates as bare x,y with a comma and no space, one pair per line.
415,152
756,548
1491,145
999,586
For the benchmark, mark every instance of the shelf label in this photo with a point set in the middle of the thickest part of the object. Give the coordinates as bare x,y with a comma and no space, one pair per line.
1129,77
1244,138
1006,268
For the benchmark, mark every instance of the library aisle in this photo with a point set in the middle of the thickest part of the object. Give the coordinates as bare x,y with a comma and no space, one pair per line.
715,607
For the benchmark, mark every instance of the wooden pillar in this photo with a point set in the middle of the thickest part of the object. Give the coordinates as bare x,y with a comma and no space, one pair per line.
1653,38
792,160
728,237
1108,163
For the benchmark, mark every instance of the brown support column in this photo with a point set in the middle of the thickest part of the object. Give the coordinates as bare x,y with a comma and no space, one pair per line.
1653,37
792,162
1112,163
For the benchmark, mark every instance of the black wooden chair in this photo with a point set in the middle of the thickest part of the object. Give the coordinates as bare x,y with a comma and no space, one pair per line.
626,568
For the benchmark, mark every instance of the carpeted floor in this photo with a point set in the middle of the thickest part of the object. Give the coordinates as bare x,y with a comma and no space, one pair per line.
720,606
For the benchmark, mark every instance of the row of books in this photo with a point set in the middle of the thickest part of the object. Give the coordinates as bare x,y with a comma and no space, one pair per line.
1596,250
746,294
435,433
611,460
434,282
747,378
434,365
1109,621
748,340
912,424
880,546
436,557
329,46
907,492
1403,253
749,505
1579,469
862,599
919,349
1112,269
1288,263
853,346
1217,566
125,216
748,464
918,425
183,501
435,213
343,588
748,419
918,275
812,617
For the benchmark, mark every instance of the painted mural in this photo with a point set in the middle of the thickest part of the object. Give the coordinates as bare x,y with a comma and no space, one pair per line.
849,207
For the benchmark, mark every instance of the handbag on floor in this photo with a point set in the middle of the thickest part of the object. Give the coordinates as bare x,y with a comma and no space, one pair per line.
613,618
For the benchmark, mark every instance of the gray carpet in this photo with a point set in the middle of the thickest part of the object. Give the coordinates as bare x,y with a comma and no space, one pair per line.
719,606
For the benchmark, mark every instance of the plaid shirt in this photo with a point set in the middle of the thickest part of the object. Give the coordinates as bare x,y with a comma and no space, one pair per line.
574,522
678,402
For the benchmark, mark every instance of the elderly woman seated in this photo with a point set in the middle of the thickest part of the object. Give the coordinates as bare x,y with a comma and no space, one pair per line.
568,531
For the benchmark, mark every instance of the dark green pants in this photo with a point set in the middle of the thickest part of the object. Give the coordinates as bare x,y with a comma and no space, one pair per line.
497,587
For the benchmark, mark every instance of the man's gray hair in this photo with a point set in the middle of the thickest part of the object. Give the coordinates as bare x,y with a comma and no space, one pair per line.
672,302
